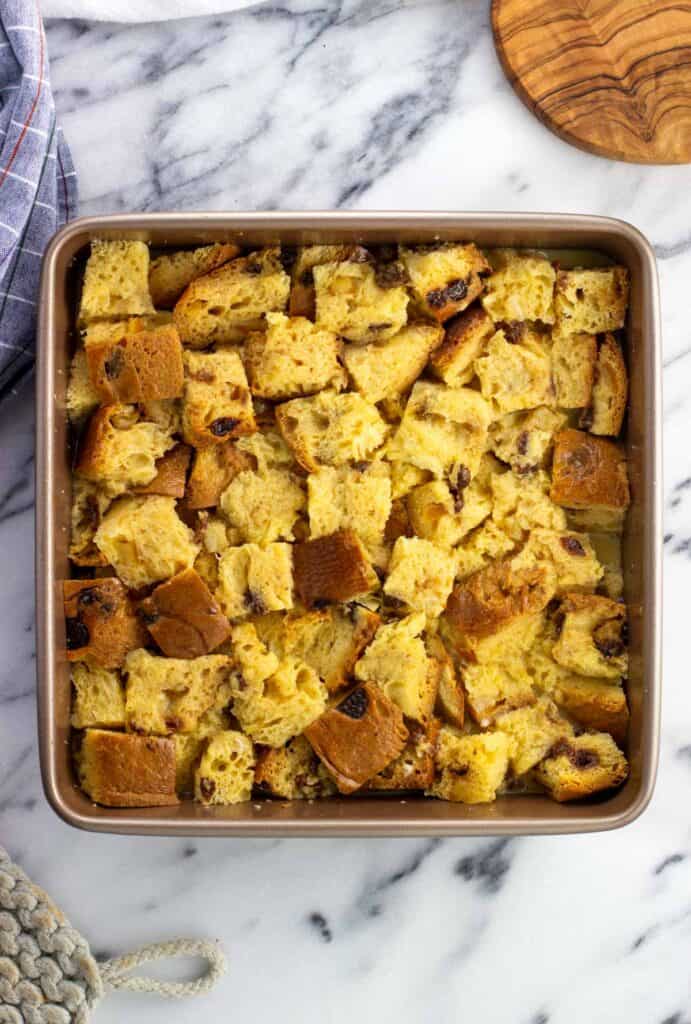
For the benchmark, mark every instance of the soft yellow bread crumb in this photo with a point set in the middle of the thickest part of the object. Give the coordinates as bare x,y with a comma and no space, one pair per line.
525,439
331,429
253,580
532,731
349,302
226,771
99,697
444,517
145,540
396,660
582,765
465,338
573,369
89,504
116,281
522,504
482,546
492,688
570,555
420,576
513,376
471,768
594,704
293,772
592,637
591,301
350,497
387,369
405,476
171,272
445,277
264,507
120,450
82,397
267,450
521,288
292,357
217,404
166,695
610,391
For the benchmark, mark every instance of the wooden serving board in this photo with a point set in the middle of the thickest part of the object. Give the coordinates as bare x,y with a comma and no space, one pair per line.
610,76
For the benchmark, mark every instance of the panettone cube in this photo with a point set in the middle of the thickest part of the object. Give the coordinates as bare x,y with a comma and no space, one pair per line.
592,639
570,555
119,449
396,660
89,503
387,369
611,389
254,580
139,367
483,545
99,697
524,440
330,429
445,516
264,506
465,338
591,301
588,472
116,281
521,288
292,357
225,774
166,695
523,503
217,404
82,398
492,688
574,357
171,474
414,767
335,567
514,376
292,772
171,272
471,768
420,576
101,624
356,497
183,617
118,769
445,277
213,469
350,302
532,731
596,705
302,292
581,766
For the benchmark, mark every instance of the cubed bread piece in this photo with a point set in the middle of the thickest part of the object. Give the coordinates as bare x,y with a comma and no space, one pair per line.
166,695
101,625
213,469
116,281
396,660
226,771
513,376
184,618
88,505
359,737
119,450
608,550
292,357
99,698
217,404
570,555
532,731
445,516
145,540
595,705
445,277
581,766
591,301
266,450
331,429
405,476
293,772
420,576
442,430
388,369
597,520
521,288
492,688
227,304
414,768
254,580
171,272
471,768
350,302
465,338
171,474
588,472
573,369
330,640
523,503
350,497
482,546
81,398
140,367
302,293
450,703
493,598
264,506
525,439
592,640
333,568
166,412
117,769
273,700
610,393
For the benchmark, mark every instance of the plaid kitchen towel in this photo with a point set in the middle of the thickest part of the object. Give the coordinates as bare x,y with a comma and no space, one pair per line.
38,185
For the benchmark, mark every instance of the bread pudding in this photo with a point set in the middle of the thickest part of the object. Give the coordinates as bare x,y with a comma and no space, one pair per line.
347,521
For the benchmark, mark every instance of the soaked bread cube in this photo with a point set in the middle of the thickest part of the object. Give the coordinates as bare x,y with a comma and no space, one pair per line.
445,516
120,450
521,288
225,305
335,567
396,660
140,367
595,705
574,357
492,688
581,766
405,476
450,703
442,430
292,357
273,700
414,767
592,640
350,498
445,277
88,506
350,302
183,617
571,556
591,301
471,768
420,576
171,272
171,474
226,771
293,772
82,398
331,429
217,404
483,545
116,281
99,698
117,769
213,469
101,625
588,472
359,737
523,503
264,506
253,580
525,439
388,369
532,732
513,376
465,338
145,540
302,292
610,393
166,695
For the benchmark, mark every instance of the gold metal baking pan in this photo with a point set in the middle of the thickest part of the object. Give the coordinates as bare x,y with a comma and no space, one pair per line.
362,816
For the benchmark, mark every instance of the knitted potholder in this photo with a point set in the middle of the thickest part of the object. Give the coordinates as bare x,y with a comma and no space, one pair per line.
47,972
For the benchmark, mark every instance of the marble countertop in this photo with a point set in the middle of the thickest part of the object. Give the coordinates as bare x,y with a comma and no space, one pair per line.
363,104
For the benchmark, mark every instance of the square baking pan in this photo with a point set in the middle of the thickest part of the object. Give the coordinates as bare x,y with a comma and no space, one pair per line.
359,815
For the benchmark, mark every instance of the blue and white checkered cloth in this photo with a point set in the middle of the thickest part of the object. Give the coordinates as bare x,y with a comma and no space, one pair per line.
38,184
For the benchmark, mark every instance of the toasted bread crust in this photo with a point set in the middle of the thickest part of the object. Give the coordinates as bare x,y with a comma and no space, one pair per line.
101,622
212,470
611,390
464,340
171,474
141,367
184,618
122,770
333,568
588,472
493,597
171,273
